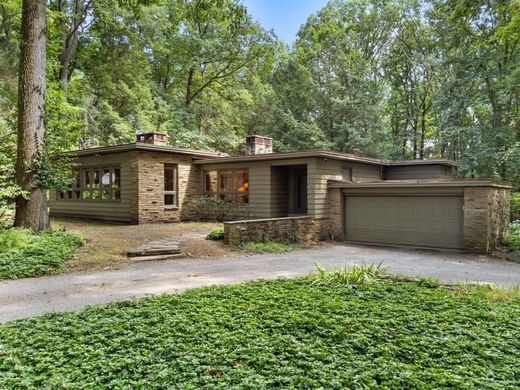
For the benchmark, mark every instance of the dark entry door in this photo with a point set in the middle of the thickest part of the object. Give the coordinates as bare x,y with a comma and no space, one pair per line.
300,201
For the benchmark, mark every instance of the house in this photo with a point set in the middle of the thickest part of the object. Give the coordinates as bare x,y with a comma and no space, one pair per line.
313,194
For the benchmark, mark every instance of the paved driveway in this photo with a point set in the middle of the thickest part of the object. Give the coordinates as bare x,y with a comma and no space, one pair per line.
31,297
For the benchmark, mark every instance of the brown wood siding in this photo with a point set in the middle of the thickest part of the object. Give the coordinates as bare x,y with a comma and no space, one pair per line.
118,211
259,184
417,172
320,171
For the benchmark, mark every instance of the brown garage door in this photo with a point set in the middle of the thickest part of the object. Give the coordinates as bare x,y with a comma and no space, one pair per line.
431,221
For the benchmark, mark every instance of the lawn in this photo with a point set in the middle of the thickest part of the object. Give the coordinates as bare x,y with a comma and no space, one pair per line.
301,333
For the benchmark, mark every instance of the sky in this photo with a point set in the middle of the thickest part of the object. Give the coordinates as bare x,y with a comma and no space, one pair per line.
283,16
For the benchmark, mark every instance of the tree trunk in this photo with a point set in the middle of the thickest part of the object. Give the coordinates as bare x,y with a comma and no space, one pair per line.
31,212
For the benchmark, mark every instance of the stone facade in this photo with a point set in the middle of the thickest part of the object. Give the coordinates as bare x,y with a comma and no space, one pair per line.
150,184
336,214
305,229
486,217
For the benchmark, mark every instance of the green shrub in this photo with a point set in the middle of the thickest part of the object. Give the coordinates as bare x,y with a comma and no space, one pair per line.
216,234
513,240
515,206
209,208
269,247
25,254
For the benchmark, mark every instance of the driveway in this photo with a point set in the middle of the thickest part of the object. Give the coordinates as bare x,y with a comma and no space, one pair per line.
68,292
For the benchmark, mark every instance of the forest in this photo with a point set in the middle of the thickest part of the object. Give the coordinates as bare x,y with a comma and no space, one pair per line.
409,79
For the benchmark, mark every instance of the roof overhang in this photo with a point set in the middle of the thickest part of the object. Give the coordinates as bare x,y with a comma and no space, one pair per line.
324,154
417,184
144,147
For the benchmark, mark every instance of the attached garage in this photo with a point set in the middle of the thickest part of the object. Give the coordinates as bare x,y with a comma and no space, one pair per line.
429,221
450,213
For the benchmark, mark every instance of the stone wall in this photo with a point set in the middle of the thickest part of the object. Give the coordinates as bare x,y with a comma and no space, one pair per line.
486,217
305,229
336,214
150,183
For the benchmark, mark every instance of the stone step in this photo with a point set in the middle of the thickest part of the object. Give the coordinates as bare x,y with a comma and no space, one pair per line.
157,257
154,251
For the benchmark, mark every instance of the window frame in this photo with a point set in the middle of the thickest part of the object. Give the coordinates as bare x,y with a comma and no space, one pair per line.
219,193
175,191
350,173
86,191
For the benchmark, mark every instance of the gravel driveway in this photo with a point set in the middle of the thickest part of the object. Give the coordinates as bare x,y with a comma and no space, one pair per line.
37,296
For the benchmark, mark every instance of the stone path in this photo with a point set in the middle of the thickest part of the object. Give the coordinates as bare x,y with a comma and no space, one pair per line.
165,249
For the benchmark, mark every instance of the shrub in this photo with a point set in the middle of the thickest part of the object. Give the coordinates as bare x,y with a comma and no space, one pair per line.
209,208
513,240
515,206
25,254
216,234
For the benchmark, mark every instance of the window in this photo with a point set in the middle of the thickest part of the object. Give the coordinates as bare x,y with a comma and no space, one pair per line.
230,185
346,174
170,186
97,183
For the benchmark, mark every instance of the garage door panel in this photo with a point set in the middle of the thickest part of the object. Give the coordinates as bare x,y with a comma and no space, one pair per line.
433,221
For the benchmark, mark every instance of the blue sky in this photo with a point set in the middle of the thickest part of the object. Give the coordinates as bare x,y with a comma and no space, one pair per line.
283,16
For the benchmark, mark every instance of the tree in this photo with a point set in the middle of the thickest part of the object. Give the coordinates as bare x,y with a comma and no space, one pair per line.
31,210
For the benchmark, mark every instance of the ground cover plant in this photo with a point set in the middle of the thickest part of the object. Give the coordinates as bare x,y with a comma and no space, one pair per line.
24,254
269,246
328,331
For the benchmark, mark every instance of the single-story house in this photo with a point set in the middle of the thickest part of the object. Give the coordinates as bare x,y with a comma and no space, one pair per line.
312,193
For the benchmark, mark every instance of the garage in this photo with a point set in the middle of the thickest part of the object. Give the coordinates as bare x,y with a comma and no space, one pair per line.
405,219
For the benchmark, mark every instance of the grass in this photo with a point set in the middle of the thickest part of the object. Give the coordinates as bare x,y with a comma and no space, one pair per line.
300,333
25,254
269,247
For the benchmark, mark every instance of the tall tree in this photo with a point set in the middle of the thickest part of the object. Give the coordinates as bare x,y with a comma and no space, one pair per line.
31,210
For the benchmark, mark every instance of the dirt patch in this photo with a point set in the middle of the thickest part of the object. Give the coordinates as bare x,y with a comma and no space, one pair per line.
107,243
207,248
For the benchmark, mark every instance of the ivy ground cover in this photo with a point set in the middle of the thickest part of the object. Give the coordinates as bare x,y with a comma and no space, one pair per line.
24,253
285,333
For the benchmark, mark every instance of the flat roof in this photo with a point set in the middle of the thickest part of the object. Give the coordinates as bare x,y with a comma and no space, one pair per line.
208,157
147,147
417,183
324,154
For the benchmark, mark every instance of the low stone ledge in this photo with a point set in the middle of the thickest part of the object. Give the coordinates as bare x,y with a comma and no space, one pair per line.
299,228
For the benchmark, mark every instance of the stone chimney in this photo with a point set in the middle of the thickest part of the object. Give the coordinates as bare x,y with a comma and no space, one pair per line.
256,144
160,139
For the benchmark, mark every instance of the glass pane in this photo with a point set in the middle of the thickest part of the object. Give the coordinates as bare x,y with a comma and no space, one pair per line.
96,191
77,179
86,184
62,195
168,178
105,183
210,180
168,200
77,194
116,177
242,181
227,182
